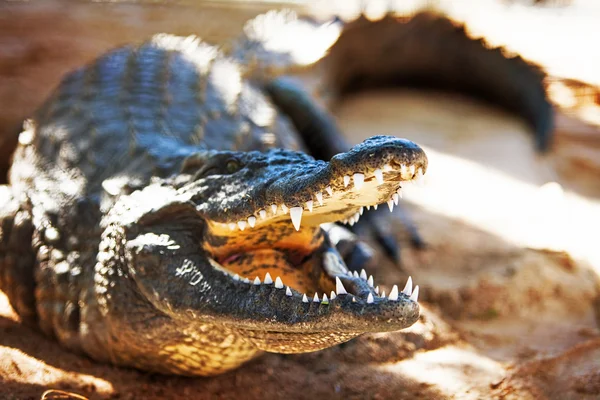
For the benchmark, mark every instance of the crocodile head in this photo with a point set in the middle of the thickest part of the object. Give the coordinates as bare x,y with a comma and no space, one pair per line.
242,244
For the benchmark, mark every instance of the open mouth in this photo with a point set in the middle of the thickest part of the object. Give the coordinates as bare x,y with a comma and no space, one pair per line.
281,245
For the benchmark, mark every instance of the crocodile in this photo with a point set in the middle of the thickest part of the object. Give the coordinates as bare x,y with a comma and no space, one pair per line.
172,206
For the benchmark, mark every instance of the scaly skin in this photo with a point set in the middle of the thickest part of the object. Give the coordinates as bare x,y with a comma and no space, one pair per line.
162,215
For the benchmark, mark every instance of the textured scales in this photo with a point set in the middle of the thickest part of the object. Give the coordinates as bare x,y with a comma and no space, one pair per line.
162,215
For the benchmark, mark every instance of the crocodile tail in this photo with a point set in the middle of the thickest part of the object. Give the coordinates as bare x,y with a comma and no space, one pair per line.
430,50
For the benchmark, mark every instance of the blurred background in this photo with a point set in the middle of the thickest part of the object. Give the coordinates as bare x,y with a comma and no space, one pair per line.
510,277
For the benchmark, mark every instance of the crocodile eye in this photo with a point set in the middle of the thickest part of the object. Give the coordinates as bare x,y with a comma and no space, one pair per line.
232,166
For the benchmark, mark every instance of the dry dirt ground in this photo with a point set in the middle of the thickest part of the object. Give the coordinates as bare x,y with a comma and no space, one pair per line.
509,281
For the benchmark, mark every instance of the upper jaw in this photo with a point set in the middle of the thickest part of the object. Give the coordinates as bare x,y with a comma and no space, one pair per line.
368,175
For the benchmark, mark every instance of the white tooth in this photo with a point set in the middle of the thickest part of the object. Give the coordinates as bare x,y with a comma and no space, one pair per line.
361,211
369,298
363,274
288,291
339,287
387,168
296,214
309,205
284,208
319,196
274,208
332,295
316,298
370,280
382,294
242,225
375,206
354,299
278,283
351,221
415,294
404,172
349,273
408,287
411,171
329,190
232,226
379,176
356,217
304,298
345,222
346,180
394,293
359,180
390,204
368,207
256,281
325,299
355,274
396,198
251,221
268,279
236,277
377,289
399,191
246,280
263,213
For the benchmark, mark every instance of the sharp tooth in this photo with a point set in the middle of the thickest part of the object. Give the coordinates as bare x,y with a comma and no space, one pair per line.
325,299
309,205
390,204
236,277
361,210
355,274
370,280
332,295
346,180
256,281
278,283
356,217
316,298
363,274
345,222
242,225
274,208
296,214
399,191
408,287
377,289
359,180
351,220
368,207
319,197
329,190
369,298
375,206
263,213
411,171
415,294
349,273
382,294
284,208
288,291
353,299
404,172
339,287
232,226
396,198
394,293
268,279
304,298
387,168
246,280
379,176
251,221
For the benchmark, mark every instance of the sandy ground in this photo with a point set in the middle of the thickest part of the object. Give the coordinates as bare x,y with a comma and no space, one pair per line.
509,281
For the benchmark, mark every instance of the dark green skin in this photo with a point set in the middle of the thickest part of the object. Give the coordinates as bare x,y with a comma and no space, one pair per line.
107,232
